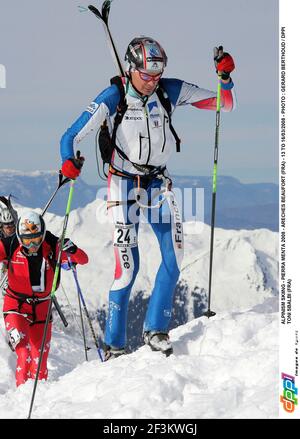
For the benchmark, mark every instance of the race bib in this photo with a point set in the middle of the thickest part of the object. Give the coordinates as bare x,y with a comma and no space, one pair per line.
125,235
13,338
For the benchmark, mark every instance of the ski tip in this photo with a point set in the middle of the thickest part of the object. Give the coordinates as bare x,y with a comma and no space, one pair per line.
95,11
106,8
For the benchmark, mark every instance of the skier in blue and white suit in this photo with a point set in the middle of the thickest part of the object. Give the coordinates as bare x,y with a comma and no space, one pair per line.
143,143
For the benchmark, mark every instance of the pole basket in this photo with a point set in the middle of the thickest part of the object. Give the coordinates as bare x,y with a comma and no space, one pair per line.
209,313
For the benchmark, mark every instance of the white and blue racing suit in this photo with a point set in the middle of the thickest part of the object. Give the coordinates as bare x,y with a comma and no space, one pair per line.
145,138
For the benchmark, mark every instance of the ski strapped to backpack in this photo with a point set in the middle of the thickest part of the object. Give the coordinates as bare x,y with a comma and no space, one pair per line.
107,143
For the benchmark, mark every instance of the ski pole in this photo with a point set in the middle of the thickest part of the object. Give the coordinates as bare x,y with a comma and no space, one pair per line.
72,312
218,52
59,311
104,18
82,327
3,280
61,182
73,268
52,294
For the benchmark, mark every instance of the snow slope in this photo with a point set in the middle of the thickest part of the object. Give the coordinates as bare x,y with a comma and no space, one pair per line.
224,367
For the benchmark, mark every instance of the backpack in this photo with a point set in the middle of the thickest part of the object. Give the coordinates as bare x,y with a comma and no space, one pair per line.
107,143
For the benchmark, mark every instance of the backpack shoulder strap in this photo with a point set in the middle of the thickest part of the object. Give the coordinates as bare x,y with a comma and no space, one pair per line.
118,81
121,110
166,103
10,244
164,98
52,240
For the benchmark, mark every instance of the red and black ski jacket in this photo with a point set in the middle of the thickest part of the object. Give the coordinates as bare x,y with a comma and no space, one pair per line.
25,271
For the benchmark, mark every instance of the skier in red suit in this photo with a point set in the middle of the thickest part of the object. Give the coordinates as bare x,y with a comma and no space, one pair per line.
31,257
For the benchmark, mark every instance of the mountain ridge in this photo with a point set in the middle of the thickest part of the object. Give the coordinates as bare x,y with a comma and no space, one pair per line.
239,206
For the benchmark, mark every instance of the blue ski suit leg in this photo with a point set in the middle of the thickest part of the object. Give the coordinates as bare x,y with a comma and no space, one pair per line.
167,227
126,259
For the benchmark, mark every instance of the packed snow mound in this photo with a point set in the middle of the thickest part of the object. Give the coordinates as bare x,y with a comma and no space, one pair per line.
221,368
244,270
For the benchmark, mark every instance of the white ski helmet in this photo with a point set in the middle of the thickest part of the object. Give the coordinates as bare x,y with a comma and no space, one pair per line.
6,216
31,229
146,54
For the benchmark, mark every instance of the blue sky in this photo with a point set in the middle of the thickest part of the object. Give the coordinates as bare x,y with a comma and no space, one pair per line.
57,61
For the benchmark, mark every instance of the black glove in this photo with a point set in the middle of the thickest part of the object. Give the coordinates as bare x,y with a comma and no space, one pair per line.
69,246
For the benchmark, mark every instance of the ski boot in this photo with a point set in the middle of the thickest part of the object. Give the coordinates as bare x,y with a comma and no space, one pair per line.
110,352
158,341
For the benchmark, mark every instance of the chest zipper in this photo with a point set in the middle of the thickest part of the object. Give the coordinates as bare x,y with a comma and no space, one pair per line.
148,130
